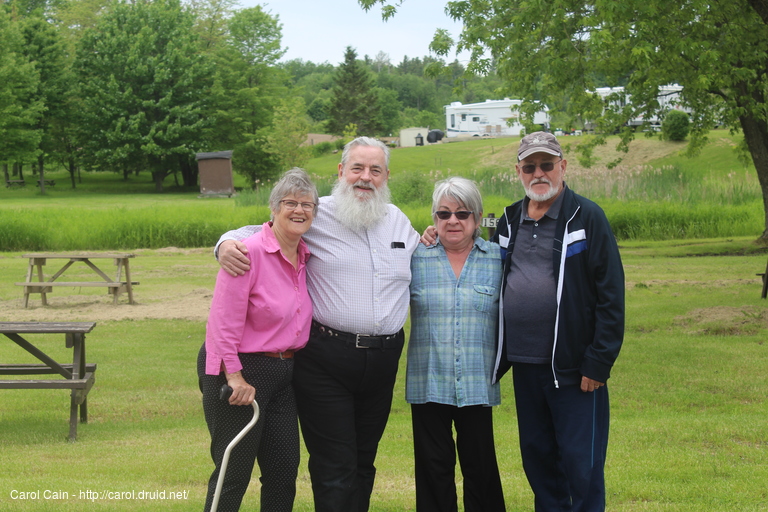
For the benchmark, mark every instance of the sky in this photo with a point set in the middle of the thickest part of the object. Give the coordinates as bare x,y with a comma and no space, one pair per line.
320,30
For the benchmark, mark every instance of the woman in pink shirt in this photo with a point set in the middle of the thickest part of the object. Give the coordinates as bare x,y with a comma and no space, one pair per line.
256,323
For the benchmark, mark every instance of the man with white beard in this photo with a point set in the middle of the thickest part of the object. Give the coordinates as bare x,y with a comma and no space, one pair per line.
358,277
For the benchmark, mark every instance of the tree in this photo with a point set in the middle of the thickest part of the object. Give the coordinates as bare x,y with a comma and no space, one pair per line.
286,139
247,88
45,47
20,107
211,20
74,17
389,111
354,98
718,52
143,83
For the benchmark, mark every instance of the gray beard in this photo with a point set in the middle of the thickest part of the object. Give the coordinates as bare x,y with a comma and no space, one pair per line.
541,198
358,215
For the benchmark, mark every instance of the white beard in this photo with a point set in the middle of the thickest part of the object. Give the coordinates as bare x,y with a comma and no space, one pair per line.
356,214
546,196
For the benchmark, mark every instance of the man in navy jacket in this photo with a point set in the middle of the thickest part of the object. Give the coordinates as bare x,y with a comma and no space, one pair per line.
561,329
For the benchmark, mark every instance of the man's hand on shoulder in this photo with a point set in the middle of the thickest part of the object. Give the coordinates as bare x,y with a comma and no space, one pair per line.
430,236
233,257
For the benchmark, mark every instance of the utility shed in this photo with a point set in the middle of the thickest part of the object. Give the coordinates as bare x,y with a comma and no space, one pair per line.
408,136
215,174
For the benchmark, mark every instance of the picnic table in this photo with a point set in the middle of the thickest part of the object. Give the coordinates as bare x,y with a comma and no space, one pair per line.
17,183
77,377
115,286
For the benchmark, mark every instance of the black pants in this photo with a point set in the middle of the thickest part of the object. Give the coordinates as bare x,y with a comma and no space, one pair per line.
435,458
273,441
563,440
344,396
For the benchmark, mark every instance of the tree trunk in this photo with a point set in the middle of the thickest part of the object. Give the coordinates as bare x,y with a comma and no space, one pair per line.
761,7
189,171
756,137
5,173
72,168
158,177
41,173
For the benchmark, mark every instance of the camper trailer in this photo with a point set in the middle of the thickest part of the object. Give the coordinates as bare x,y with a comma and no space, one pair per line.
669,99
491,118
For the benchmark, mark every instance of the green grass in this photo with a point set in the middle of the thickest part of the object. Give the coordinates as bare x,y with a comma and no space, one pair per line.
664,198
689,398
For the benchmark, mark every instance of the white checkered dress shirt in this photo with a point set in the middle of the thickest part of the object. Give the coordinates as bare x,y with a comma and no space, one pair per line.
358,281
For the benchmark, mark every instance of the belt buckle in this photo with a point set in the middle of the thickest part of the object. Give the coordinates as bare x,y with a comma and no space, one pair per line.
357,340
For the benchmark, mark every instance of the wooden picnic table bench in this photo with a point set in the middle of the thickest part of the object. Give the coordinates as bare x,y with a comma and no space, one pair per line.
18,183
115,286
77,377
764,276
47,182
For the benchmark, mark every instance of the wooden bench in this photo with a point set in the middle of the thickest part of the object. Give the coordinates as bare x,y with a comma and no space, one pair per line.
115,286
78,377
17,183
47,182
764,275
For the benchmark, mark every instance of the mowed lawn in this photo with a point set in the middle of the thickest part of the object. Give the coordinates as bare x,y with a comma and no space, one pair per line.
689,412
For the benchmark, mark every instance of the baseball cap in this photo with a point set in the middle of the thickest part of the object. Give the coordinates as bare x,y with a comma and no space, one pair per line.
538,142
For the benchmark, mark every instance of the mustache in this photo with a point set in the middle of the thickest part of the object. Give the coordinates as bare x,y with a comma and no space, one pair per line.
541,180
363,184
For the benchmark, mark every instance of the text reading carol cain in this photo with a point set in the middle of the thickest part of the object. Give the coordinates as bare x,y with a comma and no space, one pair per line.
49,494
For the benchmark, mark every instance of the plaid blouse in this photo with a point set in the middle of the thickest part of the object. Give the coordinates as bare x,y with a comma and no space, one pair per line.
452,347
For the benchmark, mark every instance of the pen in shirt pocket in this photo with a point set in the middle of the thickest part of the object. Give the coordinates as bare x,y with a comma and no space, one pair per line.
398,245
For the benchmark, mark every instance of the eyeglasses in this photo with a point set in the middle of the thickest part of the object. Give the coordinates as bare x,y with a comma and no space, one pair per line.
445,215
291,205
544,166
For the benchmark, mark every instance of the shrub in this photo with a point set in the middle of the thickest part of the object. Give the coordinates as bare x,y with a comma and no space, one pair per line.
412,188
675,125
322,148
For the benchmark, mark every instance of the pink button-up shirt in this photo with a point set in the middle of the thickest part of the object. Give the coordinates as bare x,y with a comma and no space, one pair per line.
266,310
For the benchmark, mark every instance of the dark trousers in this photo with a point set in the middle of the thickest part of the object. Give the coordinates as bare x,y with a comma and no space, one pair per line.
344,395
563,440
273,441
435,458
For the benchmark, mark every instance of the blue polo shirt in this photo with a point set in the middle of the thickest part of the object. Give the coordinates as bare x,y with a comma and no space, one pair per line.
530,300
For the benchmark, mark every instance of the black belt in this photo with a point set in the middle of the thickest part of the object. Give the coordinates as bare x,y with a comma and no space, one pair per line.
358,340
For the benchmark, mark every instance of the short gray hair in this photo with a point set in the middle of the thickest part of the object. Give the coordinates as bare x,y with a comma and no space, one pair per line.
364,141
463,191
297,182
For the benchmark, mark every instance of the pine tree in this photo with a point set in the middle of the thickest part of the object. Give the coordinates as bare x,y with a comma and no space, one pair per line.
354,99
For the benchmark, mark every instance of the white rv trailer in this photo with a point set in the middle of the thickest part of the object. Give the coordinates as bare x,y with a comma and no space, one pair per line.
490,118
669,99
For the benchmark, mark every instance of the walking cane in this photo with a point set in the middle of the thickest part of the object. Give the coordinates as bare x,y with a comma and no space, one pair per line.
224,394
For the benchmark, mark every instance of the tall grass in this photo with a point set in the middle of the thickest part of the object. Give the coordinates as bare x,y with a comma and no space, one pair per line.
676,198
122,228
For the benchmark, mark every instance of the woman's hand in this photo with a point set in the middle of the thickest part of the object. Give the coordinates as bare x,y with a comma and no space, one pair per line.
242,392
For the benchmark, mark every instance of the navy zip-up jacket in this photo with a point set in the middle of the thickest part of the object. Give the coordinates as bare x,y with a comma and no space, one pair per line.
589,326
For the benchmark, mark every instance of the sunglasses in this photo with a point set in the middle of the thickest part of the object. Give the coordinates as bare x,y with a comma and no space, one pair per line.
546,167
445,215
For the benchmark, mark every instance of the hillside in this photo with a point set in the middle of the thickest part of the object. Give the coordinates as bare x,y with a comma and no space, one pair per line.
641,151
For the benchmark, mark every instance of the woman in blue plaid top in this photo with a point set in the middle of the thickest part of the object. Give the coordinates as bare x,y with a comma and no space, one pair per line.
454,313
